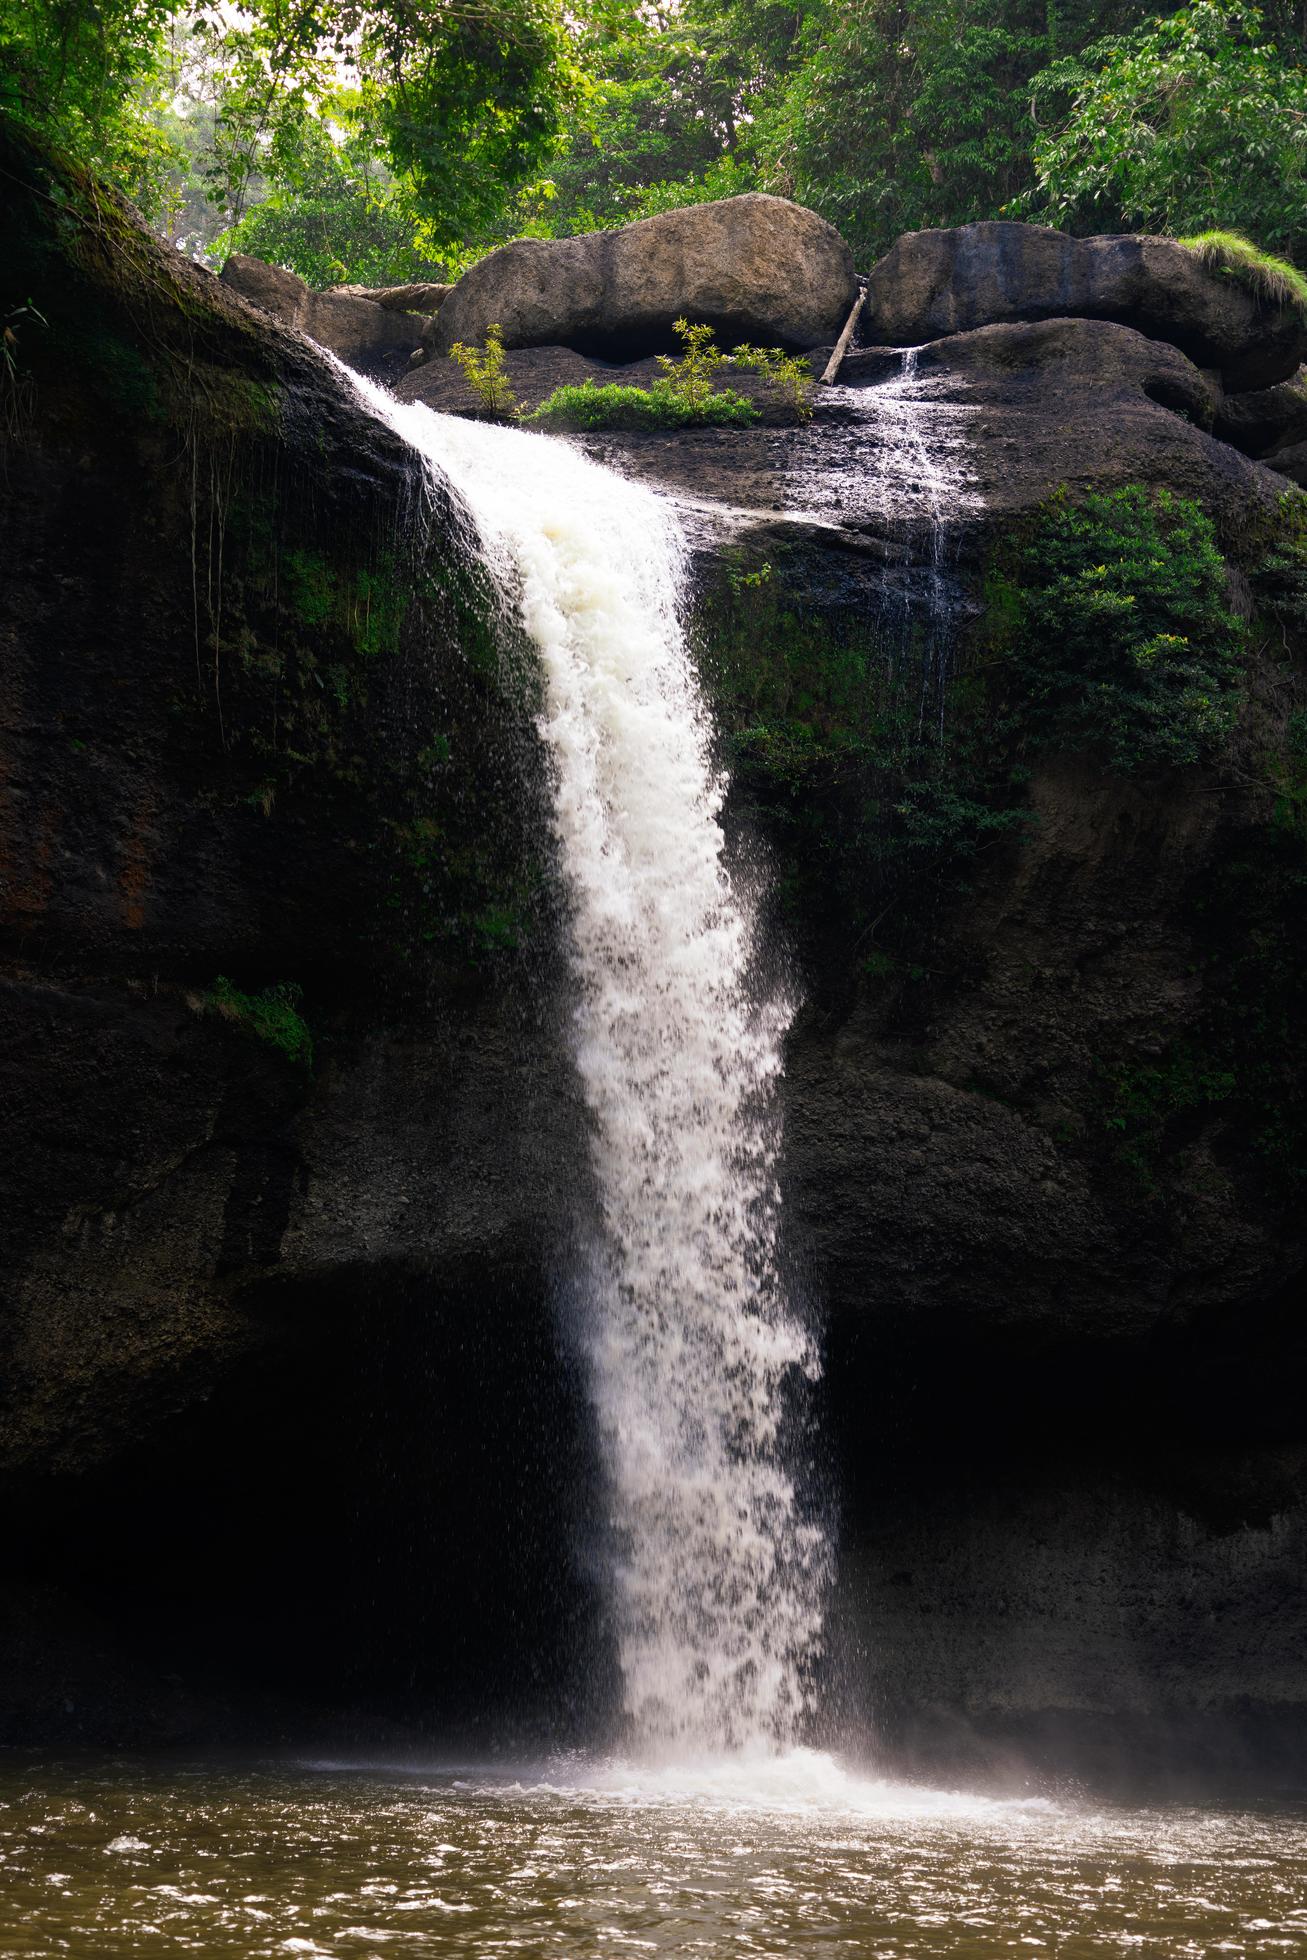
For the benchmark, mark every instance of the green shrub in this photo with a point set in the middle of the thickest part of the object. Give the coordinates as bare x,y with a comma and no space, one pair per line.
1115,630
691,378
614,405
272,1016
790,376
1273,281
686,395
483,370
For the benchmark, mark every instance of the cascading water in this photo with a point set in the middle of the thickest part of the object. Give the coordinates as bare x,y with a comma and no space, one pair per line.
717,1576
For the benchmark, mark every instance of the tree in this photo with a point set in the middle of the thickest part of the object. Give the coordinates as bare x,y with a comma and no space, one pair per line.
457,101
89,77
335,212
908,114
1193,122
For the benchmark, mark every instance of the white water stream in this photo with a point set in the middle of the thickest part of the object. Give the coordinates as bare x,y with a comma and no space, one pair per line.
717,1577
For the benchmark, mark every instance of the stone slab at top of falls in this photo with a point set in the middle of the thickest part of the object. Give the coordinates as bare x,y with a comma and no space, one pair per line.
1076,402
933,283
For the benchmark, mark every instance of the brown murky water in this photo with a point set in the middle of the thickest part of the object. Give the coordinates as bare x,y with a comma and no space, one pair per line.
128,1858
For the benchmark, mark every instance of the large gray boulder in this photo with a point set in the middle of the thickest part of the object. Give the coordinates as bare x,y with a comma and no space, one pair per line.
376,339
756,268
933,283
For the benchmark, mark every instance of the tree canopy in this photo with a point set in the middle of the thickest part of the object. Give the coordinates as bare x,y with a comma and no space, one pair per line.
378,139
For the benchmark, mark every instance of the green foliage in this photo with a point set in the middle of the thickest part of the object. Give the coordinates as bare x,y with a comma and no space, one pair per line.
367,605
870,805
1190,122
612,405
1113,625
272,1016
1142,1101
789,375
1287,772
1272,281
667,116
686,395
335,212
444,111
485,374
379,140
90,78
1279,575
908,115
691,379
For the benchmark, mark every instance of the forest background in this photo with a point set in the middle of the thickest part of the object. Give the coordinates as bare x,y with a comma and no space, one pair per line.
386,140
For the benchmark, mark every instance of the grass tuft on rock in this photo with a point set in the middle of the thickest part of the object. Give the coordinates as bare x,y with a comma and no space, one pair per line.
1273,281
616,405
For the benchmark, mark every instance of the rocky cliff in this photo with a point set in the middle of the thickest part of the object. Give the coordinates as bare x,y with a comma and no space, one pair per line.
285,1413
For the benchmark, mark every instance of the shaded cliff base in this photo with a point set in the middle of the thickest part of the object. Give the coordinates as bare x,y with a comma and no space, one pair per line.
372,1533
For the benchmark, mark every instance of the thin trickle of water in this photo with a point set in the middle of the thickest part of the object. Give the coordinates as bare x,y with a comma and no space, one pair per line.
717,1577
892,462
926,476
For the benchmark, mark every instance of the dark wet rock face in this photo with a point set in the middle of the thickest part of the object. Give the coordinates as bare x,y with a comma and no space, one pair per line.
257,727
944,282
279,1342
756,268
1263,421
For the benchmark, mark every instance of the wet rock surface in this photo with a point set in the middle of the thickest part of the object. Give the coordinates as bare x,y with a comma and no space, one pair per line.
1009,414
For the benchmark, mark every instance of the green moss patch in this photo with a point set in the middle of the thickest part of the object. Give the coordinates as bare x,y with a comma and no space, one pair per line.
272,1017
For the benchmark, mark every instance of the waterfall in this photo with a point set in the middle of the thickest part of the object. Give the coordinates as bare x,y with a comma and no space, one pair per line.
716,1575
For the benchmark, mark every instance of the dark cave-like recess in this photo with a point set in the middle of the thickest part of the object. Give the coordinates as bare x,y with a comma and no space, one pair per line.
374,1518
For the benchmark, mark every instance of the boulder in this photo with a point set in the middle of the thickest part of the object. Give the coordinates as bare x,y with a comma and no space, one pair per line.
933,283
374,338
1263,420
1291,461
421,297
756,268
